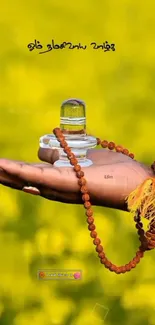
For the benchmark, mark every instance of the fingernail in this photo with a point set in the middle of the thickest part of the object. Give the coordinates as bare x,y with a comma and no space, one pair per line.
31,190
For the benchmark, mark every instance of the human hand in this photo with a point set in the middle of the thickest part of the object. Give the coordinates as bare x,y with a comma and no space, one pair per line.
109,180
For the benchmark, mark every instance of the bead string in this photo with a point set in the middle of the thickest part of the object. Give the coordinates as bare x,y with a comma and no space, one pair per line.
147,239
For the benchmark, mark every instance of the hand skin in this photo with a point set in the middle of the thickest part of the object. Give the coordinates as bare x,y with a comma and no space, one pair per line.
60,184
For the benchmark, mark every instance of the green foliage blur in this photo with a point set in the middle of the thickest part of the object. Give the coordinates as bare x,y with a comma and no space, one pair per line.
118,88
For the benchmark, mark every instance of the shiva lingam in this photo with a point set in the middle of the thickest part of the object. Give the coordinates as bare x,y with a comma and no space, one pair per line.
73,127
73,142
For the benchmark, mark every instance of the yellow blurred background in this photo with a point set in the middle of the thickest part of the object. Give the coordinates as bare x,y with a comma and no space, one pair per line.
118,88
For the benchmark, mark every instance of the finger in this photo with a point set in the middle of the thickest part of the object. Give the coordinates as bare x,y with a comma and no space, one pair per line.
48,155
14,182
47,165
63,197
10,181
60,179
32,164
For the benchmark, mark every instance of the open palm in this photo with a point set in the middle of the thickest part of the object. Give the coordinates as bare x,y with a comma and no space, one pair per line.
109,180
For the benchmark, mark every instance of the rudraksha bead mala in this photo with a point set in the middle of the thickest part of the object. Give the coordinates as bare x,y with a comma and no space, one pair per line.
147,239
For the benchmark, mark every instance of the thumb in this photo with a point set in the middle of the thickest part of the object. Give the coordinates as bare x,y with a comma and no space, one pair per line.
48,155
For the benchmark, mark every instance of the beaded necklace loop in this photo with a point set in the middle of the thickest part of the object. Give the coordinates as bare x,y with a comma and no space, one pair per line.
147,239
